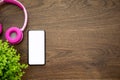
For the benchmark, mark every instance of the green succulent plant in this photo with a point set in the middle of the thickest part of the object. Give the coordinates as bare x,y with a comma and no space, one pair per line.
10,67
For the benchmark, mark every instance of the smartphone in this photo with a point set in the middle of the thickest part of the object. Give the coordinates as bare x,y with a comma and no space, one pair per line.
36,47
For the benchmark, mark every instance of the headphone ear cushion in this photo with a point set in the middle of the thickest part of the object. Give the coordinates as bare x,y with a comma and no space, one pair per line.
0,28
18,38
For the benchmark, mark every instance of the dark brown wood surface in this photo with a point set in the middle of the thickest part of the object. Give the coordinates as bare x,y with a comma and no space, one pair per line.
82,37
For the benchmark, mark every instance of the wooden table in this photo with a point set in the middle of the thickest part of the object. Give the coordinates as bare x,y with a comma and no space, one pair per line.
82,38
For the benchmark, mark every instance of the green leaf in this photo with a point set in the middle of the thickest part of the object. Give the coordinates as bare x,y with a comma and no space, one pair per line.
10,66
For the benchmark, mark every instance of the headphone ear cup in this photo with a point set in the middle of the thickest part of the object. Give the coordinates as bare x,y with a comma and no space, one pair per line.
0,28
18,38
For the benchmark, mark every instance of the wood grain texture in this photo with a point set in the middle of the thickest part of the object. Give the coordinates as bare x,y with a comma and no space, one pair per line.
82,38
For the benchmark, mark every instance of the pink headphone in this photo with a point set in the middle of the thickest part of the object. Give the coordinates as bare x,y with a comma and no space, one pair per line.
14,29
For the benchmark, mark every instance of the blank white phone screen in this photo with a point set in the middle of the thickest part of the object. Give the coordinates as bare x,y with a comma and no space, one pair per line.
36,45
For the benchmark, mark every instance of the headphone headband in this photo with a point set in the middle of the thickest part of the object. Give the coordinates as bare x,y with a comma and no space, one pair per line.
21,6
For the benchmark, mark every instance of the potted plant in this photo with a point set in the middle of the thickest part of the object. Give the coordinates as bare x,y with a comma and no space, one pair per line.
10,67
